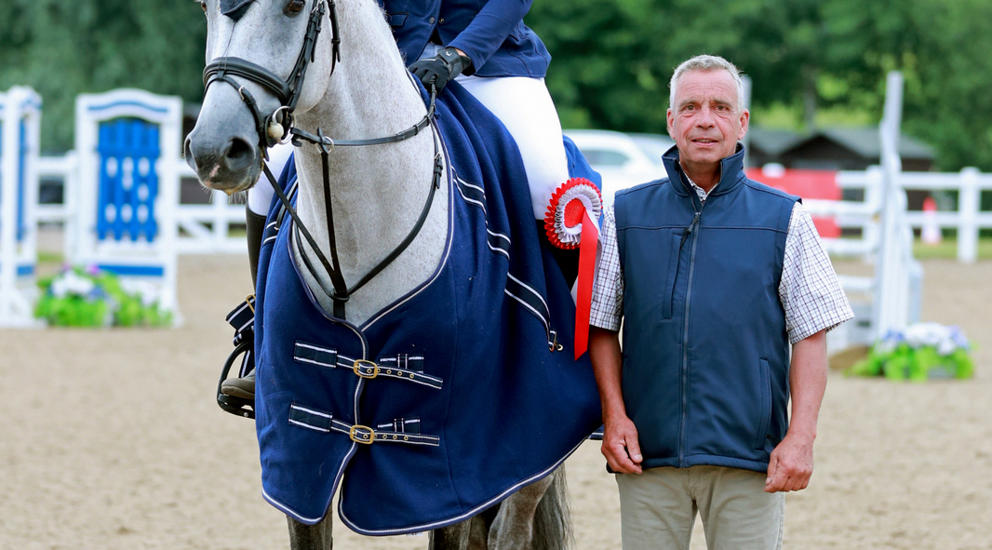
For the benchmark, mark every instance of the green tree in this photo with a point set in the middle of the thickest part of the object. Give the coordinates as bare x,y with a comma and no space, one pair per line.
62,49
612,61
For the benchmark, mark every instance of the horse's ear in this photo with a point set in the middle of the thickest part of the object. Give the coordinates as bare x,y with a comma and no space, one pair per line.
234,8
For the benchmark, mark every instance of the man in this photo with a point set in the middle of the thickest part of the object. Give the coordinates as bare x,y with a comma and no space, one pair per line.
715,277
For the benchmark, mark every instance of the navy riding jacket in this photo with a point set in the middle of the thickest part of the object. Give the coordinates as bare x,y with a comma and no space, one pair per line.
491,32
705,350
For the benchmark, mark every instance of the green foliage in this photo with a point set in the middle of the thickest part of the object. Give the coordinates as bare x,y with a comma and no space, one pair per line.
924,351
915,365
812,62
62,49
75,297
947,249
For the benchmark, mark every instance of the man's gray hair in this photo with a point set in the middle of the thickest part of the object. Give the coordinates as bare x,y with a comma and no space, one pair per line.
707,63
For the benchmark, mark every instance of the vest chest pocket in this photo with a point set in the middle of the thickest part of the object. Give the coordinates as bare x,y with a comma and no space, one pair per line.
671,274
650,264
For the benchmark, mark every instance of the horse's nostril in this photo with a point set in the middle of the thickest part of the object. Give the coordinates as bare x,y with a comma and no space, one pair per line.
238,150
188,152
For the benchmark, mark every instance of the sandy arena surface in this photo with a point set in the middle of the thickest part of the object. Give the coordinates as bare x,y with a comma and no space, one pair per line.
110,439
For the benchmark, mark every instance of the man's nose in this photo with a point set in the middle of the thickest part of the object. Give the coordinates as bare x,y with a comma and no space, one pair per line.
705,117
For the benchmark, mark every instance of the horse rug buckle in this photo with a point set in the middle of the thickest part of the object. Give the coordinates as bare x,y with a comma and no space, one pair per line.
361,434
365,368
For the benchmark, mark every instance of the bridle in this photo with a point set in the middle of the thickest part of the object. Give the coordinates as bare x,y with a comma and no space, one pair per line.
274,127
277,126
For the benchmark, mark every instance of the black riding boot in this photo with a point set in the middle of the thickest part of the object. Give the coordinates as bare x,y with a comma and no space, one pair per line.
244,387
255,226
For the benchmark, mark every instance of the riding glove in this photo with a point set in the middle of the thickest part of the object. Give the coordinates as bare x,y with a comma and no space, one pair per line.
441,68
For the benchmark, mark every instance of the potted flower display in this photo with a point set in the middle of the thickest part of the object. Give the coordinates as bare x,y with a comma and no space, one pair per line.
922,351
89,297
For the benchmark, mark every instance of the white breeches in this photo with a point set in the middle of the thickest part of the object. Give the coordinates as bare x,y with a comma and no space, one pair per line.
524,106
260,195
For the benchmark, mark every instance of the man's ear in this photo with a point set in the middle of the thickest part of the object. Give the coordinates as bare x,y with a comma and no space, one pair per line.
745,119
669,117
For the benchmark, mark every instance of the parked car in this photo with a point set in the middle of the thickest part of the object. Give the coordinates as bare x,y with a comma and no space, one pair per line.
624,160
653,145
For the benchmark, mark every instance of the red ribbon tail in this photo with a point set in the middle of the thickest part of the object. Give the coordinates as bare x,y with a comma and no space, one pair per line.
587,265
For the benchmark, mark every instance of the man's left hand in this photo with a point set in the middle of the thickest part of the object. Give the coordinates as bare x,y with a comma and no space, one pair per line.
790,465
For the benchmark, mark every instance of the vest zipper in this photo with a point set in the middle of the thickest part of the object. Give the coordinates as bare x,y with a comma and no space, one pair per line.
691,231
678,260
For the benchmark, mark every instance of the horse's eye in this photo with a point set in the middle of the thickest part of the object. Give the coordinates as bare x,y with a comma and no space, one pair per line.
294,7
203,6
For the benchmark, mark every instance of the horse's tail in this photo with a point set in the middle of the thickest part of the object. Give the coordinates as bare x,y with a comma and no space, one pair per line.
552,519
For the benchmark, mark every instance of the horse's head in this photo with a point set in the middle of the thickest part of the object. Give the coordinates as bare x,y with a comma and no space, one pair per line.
261,68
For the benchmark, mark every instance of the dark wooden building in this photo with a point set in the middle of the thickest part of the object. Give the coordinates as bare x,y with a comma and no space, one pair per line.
833,149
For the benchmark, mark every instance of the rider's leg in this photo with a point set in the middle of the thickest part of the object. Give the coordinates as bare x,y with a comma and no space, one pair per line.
259,198
254,227
525,107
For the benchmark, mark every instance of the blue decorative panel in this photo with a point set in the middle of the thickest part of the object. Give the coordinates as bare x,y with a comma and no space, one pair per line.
1,172
127,149
22,176
124,270
20,230
1,157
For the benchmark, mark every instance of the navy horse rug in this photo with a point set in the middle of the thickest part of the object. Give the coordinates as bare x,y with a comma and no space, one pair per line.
451,398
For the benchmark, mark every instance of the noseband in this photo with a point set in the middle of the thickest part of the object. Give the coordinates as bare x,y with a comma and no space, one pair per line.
278,125
274,127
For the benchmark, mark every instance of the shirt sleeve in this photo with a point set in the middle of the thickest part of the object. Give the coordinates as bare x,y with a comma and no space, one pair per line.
489,29
607,289
810,291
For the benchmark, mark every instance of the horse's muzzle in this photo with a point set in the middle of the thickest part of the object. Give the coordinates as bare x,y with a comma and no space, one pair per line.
228,164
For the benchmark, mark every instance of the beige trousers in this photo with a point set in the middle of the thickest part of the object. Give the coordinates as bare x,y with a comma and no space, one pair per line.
658,509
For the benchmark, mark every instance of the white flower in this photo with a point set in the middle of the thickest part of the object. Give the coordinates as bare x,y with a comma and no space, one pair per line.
945,339
71,283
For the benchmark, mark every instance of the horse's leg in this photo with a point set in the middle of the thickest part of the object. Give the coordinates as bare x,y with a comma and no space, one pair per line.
533,518
553,519
311,537
467,535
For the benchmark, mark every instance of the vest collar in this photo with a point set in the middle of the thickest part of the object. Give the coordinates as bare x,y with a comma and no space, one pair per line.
731,172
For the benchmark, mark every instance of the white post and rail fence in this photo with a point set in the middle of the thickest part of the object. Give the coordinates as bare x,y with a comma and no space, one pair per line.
210,223
208,227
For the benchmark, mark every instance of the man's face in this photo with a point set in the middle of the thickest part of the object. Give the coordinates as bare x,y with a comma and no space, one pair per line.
705,120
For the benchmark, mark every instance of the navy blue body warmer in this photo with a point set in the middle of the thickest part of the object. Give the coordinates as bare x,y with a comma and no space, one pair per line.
705,349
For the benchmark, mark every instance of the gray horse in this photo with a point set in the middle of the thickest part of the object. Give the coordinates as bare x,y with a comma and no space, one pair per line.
369,95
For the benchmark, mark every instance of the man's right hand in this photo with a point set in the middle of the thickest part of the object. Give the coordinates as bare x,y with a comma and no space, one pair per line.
620,446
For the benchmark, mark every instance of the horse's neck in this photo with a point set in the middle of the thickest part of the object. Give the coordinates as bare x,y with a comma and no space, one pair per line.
377,192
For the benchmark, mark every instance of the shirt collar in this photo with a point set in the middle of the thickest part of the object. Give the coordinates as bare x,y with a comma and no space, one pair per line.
700,192
731,172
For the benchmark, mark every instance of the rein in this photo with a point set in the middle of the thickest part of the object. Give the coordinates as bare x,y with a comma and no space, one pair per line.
278,125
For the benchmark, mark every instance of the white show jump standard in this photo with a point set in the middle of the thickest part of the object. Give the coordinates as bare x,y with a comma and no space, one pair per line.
127,192
20,114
